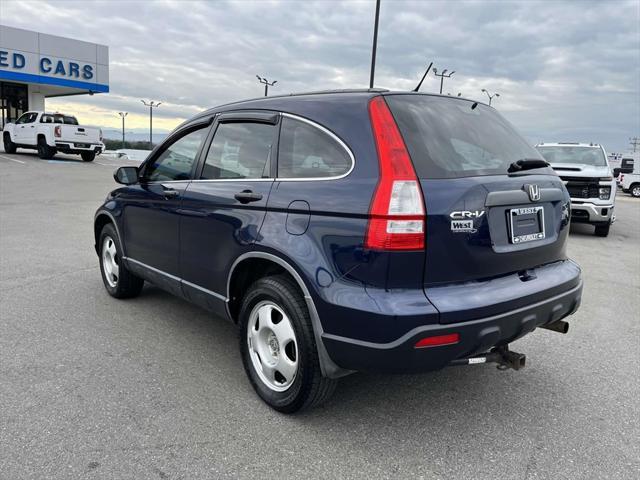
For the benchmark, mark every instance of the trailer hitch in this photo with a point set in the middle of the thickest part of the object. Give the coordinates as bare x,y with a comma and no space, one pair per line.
502,356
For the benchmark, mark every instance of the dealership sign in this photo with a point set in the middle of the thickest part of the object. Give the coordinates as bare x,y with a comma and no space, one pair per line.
38,58
46,65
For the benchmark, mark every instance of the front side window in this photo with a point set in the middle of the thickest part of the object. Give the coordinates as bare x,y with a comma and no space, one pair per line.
27,118
176,161
239,150
307,152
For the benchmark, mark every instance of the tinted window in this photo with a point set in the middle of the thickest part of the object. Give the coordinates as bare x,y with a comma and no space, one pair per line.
449,137
306,151
176,161
58,118
580,155
239,150
27,118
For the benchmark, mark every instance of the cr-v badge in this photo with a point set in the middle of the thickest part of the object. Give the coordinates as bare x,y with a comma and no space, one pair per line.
463,220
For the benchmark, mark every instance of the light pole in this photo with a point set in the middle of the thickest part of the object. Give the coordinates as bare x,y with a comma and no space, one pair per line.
266,84
442,76
375,45
490,96
152,104
122,115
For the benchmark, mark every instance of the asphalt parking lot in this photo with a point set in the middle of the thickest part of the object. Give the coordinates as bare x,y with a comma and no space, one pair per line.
93,387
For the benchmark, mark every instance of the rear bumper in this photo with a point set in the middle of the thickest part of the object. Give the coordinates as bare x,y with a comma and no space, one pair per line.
71,147
475,337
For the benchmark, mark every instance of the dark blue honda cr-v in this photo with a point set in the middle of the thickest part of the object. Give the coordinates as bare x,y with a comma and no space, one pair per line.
348,231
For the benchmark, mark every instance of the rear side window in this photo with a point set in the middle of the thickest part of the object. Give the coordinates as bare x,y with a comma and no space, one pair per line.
306,151
449,138
240,150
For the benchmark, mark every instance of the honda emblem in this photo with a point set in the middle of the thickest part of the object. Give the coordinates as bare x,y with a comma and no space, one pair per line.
534,192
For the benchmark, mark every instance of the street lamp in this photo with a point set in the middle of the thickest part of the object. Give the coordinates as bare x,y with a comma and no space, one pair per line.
442,76
266,84
152,104
490,96
122,115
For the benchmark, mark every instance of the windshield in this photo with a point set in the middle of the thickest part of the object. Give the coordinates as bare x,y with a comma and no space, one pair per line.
450,138
581,155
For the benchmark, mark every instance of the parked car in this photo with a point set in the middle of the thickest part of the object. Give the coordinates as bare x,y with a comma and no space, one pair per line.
585,170
348,231
49,133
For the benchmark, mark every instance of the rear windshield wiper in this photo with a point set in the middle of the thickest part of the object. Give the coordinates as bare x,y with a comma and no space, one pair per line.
527,164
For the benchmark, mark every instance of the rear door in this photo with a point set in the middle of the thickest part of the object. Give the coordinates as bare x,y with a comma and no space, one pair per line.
223,208
481,221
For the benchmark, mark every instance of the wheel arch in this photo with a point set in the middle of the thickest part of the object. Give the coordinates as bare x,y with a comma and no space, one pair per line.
265,263
101,219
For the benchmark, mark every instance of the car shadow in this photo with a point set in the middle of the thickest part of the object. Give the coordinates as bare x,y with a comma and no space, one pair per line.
452,400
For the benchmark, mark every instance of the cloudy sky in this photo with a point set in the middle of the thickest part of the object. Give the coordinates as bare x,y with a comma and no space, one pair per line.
565,70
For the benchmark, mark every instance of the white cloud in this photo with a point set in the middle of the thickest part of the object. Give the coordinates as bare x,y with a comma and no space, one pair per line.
564,70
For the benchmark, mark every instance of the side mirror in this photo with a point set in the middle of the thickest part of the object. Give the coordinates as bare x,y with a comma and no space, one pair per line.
126,175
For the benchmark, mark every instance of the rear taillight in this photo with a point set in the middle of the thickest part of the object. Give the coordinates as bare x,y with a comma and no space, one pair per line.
396,214
57,131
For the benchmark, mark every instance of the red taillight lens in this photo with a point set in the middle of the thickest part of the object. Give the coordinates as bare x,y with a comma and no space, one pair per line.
438,340
57,131
396,215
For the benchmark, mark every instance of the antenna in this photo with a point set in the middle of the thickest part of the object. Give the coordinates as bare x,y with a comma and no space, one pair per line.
423,77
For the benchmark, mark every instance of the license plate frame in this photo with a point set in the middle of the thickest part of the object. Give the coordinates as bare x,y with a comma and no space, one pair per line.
521,234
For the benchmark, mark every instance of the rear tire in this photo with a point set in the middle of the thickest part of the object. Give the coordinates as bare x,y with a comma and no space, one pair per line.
88,156
278,347
602,230
119,282
45,152
9,146
635,190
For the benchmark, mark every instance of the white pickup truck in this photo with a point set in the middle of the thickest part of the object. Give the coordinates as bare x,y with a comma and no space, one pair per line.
49,133
584,169
630,182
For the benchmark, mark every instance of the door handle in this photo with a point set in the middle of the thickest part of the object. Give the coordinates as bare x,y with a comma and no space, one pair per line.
247,196
169,192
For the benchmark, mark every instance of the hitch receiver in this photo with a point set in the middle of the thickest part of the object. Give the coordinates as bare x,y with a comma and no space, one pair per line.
502,356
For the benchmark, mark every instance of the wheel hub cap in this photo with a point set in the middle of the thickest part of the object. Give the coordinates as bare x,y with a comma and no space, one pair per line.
110,262
272,346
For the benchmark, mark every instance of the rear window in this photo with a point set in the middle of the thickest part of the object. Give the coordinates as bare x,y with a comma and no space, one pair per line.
58,118
579,155
449,138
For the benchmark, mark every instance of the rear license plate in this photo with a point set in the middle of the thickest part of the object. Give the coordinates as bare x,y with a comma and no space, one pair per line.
82,145
527,224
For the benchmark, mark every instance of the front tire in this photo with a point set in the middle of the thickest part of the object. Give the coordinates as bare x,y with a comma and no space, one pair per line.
602,230
117,279
9,146
45,152
88,156
278,347
635,190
